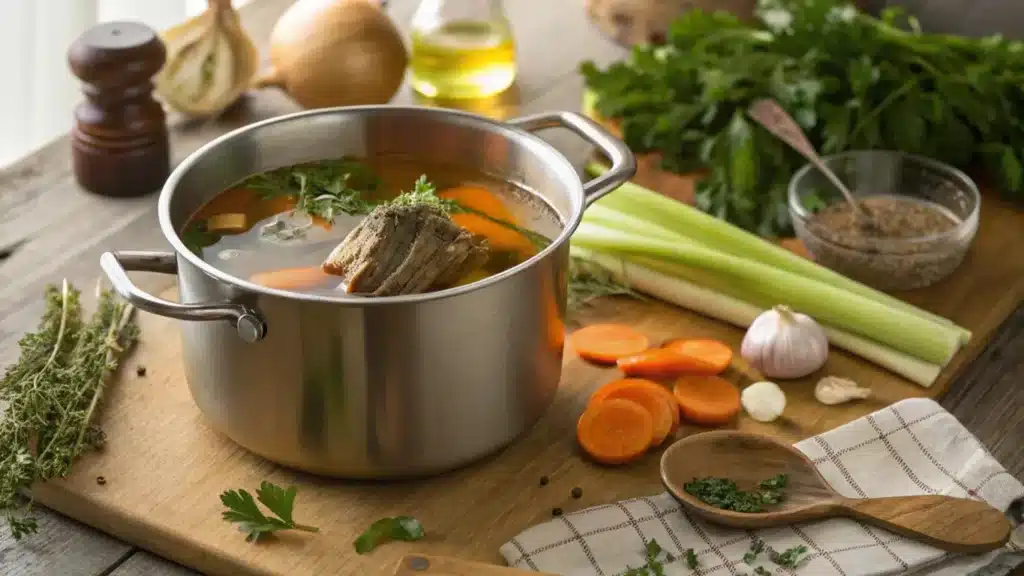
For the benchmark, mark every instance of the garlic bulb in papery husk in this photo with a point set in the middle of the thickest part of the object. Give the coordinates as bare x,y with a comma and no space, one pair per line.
211,61
327,53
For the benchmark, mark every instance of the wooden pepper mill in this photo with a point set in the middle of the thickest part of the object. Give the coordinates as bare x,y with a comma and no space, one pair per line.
119,143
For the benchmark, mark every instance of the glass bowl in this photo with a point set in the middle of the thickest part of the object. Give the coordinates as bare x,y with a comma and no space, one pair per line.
913,190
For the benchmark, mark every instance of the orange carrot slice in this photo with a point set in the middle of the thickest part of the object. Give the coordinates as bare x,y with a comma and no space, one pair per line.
606,343
480,199
617,389
615,431
663,363
707,400
294,278
656,405
714,355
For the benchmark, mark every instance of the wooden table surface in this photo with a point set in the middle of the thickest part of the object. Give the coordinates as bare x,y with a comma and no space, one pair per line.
50,229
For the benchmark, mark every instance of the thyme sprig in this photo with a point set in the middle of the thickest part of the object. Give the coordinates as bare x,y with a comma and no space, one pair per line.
51,394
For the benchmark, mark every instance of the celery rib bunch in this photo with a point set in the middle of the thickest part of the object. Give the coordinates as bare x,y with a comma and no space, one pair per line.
679,254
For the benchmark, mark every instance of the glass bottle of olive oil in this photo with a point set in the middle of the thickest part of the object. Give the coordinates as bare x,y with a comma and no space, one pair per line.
461,49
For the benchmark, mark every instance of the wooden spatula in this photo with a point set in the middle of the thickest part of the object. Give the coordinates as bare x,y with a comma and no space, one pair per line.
951,524
417,565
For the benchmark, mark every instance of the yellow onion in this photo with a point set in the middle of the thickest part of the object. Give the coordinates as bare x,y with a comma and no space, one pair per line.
326,53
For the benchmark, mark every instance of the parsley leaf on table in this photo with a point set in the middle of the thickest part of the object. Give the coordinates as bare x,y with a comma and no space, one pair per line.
243,510
391,528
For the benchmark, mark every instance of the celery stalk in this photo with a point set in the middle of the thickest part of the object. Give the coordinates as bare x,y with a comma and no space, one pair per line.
739,313
895,327
639,202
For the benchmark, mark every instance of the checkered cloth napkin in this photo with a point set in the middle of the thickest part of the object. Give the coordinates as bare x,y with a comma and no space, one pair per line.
912,447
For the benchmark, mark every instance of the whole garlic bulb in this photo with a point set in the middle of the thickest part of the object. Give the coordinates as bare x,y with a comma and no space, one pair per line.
781,343
211,61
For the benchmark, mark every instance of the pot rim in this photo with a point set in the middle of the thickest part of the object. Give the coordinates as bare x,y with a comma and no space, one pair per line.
164,203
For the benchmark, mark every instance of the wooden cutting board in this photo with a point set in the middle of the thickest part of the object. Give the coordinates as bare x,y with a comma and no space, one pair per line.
164,468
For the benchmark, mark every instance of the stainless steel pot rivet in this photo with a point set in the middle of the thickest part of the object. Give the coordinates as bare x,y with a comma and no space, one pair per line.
419,563
250,327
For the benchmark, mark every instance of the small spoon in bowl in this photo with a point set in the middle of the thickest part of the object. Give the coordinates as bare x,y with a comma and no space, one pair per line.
951,524
775,119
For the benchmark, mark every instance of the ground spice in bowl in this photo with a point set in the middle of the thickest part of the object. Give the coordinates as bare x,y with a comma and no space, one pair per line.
905,245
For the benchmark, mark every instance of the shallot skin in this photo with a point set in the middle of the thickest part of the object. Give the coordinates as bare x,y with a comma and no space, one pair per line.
784,344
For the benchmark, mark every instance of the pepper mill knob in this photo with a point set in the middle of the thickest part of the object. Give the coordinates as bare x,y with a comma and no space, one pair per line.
119,144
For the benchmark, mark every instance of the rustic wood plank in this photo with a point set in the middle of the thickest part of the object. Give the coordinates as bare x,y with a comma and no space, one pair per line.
143,563
987,397
62,546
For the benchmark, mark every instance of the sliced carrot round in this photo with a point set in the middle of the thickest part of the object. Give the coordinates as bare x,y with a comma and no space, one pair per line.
615,431
707,356
620,388
707,400
663,363
655,404
606,343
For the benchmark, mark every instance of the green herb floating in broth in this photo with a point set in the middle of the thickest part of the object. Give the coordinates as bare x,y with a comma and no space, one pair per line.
325,188
289,219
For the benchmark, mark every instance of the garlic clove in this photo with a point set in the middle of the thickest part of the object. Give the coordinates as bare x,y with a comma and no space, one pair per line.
211,61
832,390
763,401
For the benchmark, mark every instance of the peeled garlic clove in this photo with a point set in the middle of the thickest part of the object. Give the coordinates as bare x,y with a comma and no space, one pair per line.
781,343
210,62
763,401
833,390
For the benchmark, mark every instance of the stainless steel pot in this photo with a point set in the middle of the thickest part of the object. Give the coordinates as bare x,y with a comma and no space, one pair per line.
374,387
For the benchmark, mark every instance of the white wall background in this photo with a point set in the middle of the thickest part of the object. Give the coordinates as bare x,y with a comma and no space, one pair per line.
37,90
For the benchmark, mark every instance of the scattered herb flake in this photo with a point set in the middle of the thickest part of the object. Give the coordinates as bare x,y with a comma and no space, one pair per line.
755,549
655,557
404,528
762,571
789,558
691,559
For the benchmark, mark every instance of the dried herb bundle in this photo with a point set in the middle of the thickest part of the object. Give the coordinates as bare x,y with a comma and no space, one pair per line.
50,395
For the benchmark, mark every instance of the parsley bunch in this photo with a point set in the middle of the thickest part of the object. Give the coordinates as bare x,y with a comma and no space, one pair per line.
850,80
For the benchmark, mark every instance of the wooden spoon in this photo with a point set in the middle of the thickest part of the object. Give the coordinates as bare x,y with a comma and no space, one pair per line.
951,524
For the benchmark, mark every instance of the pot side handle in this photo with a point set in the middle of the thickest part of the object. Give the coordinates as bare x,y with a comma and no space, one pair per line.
622,158
247,322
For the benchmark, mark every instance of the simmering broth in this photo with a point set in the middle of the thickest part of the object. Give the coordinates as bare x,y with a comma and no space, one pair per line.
278,228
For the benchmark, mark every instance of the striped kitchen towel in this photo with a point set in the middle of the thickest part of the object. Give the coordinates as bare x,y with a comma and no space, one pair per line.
912,447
